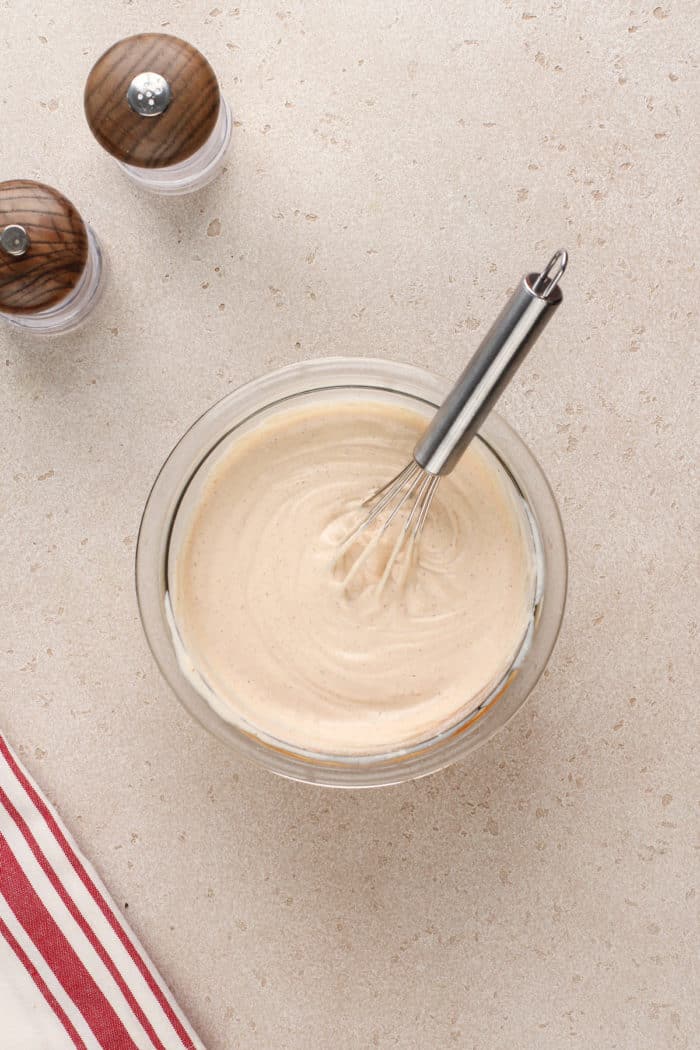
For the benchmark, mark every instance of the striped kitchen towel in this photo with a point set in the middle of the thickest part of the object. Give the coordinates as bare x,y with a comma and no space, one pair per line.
72,974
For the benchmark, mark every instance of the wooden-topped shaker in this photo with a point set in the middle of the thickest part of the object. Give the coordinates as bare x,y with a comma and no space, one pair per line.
49,258
153,102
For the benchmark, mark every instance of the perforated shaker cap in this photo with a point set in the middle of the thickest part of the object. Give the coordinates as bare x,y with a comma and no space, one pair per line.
152,100
43,247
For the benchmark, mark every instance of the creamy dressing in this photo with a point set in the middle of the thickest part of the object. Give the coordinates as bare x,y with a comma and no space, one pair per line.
282,647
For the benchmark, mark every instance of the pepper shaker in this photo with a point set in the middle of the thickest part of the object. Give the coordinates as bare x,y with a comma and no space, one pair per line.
153,102
50,259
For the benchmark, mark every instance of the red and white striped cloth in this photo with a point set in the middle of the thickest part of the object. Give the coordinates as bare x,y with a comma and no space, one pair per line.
72,974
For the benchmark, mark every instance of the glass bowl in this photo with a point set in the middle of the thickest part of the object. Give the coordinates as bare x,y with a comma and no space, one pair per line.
181,479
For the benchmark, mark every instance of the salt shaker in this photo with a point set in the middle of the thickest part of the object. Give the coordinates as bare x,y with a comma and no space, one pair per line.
153,102
50,259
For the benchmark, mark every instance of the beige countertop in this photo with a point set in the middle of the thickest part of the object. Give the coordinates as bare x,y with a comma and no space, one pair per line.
394,168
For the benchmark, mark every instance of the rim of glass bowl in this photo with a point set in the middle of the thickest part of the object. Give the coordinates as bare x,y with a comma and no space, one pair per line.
160,511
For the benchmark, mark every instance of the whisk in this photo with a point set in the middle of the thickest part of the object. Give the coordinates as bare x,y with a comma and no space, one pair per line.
445,440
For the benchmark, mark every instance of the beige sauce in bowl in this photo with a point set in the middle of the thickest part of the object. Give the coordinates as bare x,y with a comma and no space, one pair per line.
284,648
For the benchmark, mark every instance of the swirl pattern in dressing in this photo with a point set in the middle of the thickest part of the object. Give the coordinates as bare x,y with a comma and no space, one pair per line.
268,624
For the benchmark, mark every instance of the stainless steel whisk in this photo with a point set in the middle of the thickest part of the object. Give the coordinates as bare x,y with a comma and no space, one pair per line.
456,422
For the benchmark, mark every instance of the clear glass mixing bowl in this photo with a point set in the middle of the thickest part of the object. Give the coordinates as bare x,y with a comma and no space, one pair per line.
180,481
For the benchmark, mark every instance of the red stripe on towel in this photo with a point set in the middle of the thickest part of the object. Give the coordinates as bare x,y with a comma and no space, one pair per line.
80,920
59,954
42,985
96,895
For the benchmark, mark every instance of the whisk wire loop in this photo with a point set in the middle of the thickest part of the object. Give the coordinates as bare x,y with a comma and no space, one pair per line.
413,488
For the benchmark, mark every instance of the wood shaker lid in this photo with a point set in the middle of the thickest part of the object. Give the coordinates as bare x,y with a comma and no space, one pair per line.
43,247
152,100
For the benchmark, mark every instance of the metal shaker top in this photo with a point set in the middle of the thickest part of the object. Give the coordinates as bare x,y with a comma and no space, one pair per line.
43,247
152,100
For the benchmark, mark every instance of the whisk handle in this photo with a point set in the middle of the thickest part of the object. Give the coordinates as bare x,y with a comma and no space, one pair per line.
501,351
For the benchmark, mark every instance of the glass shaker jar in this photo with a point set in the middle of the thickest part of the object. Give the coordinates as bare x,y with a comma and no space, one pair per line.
153,102
50,260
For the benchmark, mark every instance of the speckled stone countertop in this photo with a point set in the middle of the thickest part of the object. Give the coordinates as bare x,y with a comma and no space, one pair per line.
394,168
